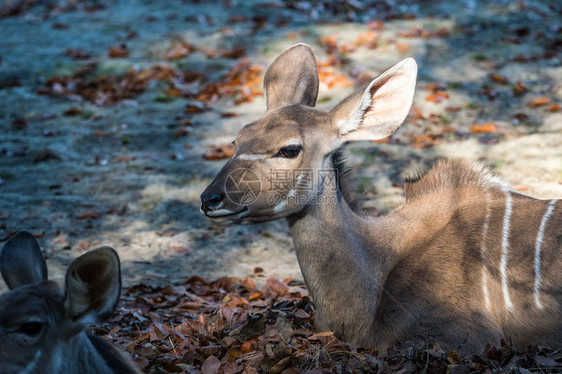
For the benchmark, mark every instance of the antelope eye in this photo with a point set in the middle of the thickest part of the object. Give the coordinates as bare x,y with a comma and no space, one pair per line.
290,151
30,328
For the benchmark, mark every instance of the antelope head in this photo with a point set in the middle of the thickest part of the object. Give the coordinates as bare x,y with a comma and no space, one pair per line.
277,168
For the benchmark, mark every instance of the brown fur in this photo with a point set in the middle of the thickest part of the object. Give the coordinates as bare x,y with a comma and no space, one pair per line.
417,273
450,174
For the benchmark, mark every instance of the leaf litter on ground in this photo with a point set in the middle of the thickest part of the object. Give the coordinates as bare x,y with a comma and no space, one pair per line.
230,325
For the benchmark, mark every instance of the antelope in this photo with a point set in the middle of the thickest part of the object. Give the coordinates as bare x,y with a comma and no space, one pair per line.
42,330
464,261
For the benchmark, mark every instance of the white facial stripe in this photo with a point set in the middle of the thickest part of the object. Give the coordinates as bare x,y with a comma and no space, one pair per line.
293,142
279,207
247,156
540,237
483,252
220,212
505,248
30,368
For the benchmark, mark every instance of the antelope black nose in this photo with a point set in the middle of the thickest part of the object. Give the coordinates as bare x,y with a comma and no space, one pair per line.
210,201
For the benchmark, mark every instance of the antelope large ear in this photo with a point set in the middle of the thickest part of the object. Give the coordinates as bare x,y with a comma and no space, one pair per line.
21,261
292,78
93,286
378,111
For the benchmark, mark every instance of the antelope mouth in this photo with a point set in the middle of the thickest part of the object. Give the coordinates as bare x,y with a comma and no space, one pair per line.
225,213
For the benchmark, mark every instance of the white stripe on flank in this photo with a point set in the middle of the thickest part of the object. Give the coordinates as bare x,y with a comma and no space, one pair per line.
246,156
483,252
540,237
505,247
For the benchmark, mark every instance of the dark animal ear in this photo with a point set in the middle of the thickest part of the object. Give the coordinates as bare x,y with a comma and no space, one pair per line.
292,78
93,286
21,261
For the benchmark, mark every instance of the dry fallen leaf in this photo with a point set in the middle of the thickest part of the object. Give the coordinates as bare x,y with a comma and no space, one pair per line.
19,123
330,41
176,251
519,88
453,108
412,33
520,117
45,156
368,39
77,54
91,214
219,152
234,53
178,50
453,357
437,97
375,25
400,47
173,92
73,112
84,245
192,109
483,128
553,108
125,158
292,35
435,86
181,132
301,314
275,287
498,78
538,102
118,51
546,361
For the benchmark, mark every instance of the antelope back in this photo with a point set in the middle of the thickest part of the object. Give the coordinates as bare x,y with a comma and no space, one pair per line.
42,329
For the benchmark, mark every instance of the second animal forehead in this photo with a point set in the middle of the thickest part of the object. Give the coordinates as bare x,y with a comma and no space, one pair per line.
29,300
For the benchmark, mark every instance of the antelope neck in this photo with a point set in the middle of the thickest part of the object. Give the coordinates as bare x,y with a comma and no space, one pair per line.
342,265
